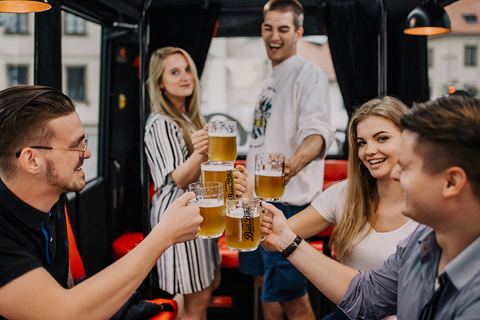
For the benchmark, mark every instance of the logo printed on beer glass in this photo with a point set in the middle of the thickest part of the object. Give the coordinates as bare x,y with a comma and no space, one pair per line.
250,227
230,185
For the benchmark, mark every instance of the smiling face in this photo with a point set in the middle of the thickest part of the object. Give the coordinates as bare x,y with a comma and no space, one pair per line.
177,79
422,191
378,140
279,35
64,171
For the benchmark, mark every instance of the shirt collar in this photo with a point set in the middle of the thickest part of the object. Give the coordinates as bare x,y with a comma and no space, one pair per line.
24,212
286,64
464,267
460,270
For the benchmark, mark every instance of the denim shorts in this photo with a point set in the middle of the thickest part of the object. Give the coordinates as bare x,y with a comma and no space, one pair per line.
282,281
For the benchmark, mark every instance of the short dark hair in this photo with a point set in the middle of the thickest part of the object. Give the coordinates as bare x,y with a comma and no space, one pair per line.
25,111
448,135
292,6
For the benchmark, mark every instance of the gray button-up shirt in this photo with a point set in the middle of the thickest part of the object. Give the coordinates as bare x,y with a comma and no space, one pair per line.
406,282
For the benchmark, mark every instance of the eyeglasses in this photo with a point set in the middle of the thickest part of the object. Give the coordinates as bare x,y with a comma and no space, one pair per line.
82,150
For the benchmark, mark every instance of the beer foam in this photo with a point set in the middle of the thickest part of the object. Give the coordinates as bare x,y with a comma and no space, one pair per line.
218,167
269,173
221,134
210,203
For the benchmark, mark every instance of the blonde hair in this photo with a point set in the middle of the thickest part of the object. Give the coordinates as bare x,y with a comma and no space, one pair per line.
362,196
160,102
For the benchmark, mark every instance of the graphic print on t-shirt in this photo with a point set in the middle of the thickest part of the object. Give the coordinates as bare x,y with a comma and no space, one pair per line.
262,114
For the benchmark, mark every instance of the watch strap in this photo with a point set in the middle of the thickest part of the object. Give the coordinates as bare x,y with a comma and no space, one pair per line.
292,247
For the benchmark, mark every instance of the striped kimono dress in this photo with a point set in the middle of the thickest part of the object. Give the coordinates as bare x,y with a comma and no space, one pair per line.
185,267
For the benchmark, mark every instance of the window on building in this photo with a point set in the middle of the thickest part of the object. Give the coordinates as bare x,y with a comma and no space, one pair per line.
74,24
470,18
430,58
17,75
76,83
470,55
14,23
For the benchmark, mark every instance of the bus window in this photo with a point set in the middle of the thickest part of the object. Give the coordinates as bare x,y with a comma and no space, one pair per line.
16,51
81,47
235,71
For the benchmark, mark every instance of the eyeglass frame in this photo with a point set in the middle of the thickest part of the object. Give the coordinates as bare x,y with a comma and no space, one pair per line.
85,141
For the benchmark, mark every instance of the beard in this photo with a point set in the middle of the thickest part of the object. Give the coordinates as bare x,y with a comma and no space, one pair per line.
76,184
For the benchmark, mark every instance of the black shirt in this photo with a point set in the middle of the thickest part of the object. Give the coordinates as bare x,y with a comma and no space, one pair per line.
23,243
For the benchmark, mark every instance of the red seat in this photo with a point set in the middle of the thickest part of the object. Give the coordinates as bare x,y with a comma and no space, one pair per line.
125,243
229,257
335,171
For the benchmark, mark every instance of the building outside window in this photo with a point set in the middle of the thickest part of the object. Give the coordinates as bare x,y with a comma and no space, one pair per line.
74,25
470,56
76,83
14,23
17,74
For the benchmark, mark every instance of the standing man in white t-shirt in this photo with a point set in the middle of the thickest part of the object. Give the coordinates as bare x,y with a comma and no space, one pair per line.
292,116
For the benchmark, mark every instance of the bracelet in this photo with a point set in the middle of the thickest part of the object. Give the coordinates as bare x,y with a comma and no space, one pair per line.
292,247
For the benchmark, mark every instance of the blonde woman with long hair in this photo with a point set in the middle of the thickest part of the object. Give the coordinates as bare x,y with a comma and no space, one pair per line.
176,144
366,207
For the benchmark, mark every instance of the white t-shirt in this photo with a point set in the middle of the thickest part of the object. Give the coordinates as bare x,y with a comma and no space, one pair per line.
293,105
376,247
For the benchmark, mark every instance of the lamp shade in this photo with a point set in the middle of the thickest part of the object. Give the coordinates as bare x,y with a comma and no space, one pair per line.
23,6
427,19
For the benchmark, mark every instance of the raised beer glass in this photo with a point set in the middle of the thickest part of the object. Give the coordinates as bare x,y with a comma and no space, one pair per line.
242,229
269,176
209,198
223,172
222,140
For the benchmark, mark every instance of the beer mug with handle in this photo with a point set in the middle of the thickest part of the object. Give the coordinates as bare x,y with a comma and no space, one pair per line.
242,228
269,176
223,172
222,140
209,198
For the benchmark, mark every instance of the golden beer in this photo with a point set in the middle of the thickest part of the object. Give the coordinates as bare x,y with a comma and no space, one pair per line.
269,185
220,172
242,229
213,213
222,146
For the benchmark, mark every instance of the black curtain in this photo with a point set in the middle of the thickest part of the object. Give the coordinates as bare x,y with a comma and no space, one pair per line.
352,36
407,67
190,28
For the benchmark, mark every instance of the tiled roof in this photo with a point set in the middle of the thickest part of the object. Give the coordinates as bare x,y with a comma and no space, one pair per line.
457,12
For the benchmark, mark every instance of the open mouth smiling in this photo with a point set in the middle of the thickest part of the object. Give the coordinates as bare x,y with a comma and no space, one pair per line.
376,161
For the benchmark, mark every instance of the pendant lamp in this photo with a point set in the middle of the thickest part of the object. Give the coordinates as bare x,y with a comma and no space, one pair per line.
427,19
23,6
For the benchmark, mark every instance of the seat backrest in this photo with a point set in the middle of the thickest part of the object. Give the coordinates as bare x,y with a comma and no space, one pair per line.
76,263
335,171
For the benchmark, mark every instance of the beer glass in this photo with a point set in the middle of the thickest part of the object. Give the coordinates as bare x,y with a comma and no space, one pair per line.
223,172
209,198
242,229
269,176
222,140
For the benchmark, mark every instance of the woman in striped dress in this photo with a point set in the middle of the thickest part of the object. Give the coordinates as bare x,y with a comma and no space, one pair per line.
175,146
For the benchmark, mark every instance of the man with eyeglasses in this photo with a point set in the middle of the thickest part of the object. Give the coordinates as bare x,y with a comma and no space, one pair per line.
42,150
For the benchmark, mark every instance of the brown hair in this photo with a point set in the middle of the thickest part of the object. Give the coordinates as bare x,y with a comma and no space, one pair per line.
292,6
448,135
362,196
160,102
24,114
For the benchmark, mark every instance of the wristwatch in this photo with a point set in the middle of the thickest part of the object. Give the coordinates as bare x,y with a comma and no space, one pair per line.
292,247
